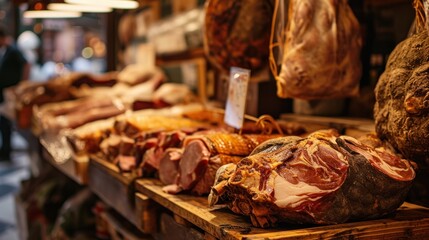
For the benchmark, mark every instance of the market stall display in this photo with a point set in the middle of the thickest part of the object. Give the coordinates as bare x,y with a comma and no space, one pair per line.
165,161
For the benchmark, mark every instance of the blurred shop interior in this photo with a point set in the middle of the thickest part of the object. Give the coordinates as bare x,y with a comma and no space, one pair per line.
151,55
167,33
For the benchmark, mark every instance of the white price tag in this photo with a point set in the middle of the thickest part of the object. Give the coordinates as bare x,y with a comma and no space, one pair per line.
236,101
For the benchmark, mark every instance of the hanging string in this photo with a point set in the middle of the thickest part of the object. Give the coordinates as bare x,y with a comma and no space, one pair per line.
420,15
266,123
279,39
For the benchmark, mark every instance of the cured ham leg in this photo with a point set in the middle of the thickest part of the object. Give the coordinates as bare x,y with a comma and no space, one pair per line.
324,178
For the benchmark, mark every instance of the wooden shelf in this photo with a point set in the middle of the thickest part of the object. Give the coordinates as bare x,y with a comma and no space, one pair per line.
409,220
179,56
112,187
67,167
120,229
354,127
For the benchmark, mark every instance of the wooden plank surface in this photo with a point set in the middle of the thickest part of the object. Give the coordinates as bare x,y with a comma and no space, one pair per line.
147,213
113,188
409,222
67,167
169,229
56,151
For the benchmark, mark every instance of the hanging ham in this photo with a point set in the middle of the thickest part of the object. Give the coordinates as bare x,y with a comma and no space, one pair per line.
321,55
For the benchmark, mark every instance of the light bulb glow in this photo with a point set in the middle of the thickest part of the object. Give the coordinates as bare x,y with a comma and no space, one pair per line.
119,4
51,14
78,8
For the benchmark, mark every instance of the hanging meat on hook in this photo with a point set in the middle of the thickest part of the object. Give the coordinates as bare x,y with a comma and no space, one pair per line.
321,53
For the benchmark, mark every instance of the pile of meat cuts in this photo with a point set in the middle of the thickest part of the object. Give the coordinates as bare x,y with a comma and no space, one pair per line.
193,167
324,178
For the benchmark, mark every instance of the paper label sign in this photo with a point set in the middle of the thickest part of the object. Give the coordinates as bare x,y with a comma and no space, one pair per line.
236,101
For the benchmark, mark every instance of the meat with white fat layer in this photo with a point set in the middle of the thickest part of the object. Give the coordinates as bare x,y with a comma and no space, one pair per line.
318,179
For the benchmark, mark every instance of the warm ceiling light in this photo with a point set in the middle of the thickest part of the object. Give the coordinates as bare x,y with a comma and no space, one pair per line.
120,4
51,14
78,8
38,9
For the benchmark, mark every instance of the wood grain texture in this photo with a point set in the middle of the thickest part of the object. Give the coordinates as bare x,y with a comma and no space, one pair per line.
409,221
120,229
147,213
67,167
112,187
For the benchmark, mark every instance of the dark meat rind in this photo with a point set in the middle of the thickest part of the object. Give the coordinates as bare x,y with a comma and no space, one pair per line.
370,194
401,110
276,143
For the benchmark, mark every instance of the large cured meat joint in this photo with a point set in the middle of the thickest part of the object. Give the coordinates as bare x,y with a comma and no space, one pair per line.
237,33
401,111
324,178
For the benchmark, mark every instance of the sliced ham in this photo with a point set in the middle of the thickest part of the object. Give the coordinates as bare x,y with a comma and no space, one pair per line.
193,164
169,166
205,152
203,186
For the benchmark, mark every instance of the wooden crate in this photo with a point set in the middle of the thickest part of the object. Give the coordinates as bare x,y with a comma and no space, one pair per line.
409,222
112,187
170,227
67,167
56,151
119,228
147,214
81,164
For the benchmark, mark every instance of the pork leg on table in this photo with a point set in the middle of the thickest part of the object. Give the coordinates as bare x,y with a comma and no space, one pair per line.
324,178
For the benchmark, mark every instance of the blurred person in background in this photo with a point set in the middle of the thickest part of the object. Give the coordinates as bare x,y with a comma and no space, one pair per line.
13,68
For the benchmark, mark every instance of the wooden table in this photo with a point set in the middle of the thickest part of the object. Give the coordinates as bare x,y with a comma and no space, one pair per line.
409,222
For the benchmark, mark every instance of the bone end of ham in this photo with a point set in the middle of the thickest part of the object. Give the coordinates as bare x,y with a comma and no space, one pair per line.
223,174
